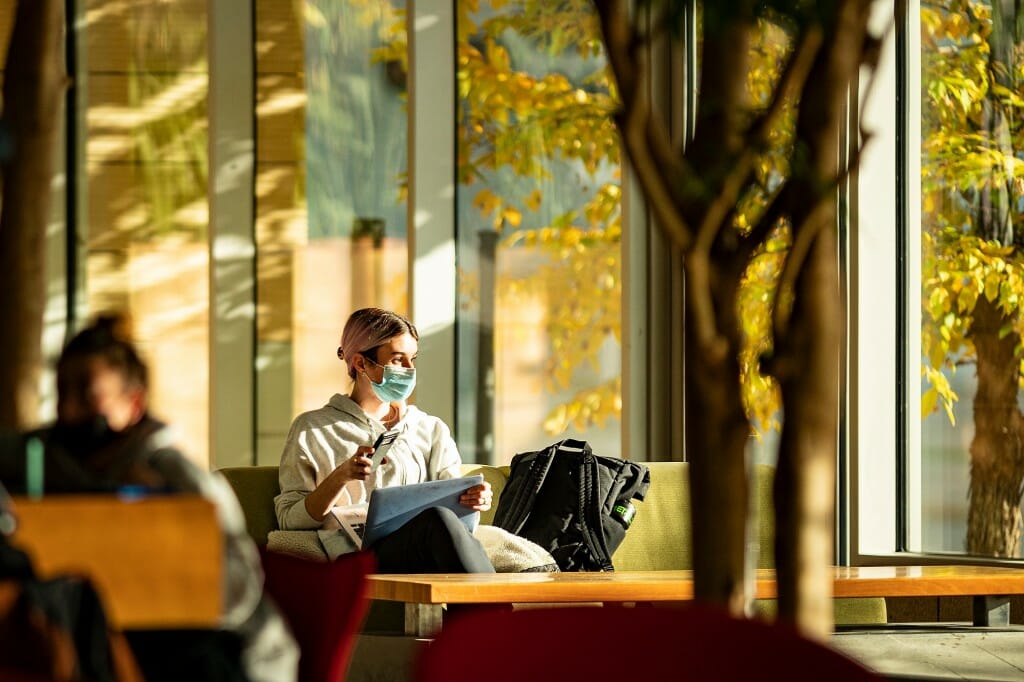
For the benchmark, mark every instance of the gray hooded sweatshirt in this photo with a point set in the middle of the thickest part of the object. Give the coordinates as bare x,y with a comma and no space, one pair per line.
320,440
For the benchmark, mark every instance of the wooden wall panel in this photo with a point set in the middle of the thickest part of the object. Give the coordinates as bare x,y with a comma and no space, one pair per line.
130,203
279,44
280,205
145,35
108,277
143,117
274,281
280,118
281,218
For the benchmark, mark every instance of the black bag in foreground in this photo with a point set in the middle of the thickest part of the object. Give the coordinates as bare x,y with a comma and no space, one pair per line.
573,503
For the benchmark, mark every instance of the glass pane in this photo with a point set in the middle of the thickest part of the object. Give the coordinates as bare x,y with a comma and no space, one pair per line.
972,182
144,182
330,192
539,231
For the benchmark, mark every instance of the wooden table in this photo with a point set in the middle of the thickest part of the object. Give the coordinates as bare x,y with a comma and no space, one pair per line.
424,594
157,562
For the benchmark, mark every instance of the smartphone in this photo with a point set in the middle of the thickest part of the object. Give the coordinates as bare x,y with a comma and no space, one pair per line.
381,447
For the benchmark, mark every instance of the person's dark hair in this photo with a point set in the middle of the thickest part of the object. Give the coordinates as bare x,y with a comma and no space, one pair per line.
368,328
108,338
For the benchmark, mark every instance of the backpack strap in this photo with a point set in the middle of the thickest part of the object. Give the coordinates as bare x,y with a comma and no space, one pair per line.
513,514
590,510
643,485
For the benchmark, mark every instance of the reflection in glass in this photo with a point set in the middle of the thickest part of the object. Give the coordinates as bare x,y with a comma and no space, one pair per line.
331,208
144,180
539,231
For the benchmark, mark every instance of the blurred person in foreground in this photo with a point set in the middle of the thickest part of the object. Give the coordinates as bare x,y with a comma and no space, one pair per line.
105,441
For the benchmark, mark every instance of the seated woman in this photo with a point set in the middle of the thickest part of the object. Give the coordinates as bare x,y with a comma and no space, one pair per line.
326,466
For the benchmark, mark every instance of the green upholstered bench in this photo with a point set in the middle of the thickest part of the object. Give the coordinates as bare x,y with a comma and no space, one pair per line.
256,487
659,538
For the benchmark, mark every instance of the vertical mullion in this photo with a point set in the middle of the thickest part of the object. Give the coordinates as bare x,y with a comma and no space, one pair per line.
908,175
872,389
231,239
432,191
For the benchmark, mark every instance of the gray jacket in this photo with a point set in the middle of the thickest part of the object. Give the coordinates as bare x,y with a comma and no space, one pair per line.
322,439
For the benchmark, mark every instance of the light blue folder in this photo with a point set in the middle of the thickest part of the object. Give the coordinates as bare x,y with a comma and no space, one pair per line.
391,508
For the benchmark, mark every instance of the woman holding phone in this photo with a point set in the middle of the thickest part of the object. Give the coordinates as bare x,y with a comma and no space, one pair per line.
327,470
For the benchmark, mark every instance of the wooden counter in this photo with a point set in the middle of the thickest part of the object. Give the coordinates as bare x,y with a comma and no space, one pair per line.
423,593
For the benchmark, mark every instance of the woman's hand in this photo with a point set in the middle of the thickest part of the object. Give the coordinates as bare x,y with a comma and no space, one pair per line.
356,467
477,498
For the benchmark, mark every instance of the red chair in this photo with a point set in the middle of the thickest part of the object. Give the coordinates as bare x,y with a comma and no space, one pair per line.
618,643
324,603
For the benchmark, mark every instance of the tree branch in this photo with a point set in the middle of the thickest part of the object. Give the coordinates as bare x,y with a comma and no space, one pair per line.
639,128
713,346
792,79
836,76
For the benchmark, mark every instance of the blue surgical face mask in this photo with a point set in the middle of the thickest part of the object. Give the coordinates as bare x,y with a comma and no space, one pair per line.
396,385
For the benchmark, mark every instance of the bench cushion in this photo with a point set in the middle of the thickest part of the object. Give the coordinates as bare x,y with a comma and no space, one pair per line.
256,488
659,538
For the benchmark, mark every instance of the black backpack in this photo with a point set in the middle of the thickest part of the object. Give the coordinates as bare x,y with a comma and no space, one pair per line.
573,503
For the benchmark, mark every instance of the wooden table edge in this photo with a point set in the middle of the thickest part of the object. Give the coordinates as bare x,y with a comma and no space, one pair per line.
641,586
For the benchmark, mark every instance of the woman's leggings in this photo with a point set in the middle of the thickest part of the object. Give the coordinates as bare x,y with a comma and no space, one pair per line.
434,541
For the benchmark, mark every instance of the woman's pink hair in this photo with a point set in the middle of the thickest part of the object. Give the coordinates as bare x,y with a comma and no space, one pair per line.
368,328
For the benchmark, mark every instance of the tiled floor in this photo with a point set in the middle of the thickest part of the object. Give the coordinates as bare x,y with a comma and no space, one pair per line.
938,651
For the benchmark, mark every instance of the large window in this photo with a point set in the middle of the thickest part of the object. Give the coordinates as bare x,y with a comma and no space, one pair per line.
331,225
536,203
972,232
935,454
509,260
468,175
142,186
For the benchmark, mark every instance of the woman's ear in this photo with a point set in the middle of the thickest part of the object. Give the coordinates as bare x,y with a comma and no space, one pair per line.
357,362
353,361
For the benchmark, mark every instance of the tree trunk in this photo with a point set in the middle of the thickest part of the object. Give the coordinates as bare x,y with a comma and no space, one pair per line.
997,461
805,477
693,202
33,89
808,339
997,451
716,438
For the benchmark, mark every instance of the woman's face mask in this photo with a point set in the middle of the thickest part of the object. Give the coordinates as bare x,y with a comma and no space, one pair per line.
396,384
